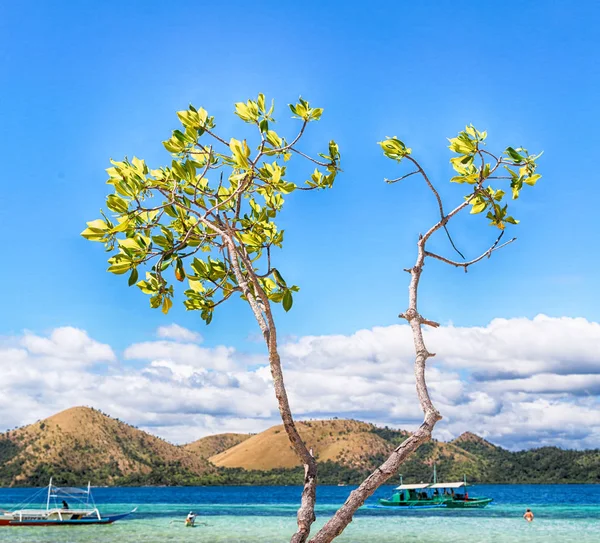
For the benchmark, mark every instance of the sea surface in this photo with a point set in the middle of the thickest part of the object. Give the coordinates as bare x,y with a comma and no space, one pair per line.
563,513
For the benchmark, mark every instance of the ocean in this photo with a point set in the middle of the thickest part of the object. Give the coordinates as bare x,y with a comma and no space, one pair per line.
563,513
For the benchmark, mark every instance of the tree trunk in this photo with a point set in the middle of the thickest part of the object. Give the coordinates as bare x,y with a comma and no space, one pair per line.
343,516
306,512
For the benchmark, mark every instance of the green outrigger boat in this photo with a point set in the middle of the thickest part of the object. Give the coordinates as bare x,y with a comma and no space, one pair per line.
452,495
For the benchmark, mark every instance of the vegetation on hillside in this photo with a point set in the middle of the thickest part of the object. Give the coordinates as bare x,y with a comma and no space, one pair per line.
83,444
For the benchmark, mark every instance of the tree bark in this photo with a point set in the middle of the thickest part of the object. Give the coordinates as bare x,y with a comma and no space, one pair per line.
343,516
264,316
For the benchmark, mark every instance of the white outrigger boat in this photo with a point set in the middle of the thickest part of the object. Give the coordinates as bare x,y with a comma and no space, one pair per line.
58,511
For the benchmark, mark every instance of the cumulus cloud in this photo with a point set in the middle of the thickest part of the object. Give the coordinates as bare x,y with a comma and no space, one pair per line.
178,333
185,354
517,382
68,343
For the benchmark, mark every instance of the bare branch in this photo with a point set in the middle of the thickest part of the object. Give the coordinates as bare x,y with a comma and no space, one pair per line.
438,198
215,136
465,265
390,181
317,162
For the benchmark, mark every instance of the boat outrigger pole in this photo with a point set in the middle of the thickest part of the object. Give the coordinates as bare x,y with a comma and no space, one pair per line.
49,491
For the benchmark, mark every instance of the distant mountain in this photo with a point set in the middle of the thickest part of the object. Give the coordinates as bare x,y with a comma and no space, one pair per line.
348,450
347,442
206,447
82,444
468,438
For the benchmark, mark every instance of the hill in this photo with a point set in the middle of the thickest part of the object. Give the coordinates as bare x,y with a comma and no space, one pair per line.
82,444
348,450
208,446
347,442
357,446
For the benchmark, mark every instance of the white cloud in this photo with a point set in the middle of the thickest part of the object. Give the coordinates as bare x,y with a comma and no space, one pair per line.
518,382
178,333
68,343
219,358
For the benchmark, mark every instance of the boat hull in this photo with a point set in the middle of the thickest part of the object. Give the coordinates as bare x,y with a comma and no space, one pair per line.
412,504
471,503
407,506
67,522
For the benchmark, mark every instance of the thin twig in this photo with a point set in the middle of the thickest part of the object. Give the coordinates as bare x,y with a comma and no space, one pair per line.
465,265
390,181
438,198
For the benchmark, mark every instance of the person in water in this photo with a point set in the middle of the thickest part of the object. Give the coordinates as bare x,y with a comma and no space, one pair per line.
65,505
190,519
528,516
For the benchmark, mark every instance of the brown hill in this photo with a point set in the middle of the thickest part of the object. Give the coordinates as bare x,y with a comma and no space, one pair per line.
82,443
209,446
347,442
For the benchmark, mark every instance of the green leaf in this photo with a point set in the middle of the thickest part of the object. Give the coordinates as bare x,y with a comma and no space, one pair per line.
316,113
166,305
516,157
532,179
278,277
479,205
98,224
288,301
196,286
117,204
133,277
240,152
393,148
119,268
129,243
261,102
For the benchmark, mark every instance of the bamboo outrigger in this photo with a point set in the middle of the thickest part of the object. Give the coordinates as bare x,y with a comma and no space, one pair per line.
84,510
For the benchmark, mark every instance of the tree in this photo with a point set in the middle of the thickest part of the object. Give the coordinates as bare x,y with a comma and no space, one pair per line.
474,166
216,234
169,216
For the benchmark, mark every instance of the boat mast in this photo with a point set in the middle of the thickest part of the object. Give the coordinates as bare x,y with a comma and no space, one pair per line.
434,474
400,479
49,491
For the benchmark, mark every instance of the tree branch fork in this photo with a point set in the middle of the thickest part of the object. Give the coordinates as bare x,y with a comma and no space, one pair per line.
336,525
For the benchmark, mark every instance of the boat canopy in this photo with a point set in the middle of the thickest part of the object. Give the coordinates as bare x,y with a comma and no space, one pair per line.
458,484
420,486
412,487
69,490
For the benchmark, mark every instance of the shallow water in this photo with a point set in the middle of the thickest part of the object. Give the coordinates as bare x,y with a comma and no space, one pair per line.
563,513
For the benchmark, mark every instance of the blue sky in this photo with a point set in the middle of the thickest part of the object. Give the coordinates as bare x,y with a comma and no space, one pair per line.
84,82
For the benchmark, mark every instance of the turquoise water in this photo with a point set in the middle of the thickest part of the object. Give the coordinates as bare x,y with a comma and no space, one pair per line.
563,514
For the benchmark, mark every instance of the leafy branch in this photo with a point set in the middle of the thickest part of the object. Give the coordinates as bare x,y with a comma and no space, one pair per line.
208,220
467,145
